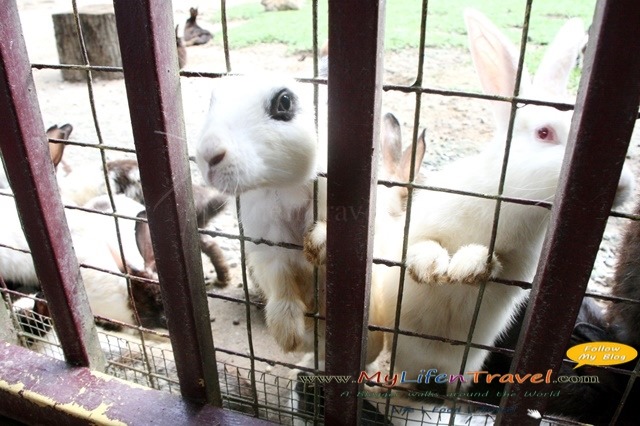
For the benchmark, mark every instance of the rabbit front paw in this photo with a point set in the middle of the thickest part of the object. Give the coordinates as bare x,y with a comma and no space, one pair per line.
427,262
315,244
285,321
469,265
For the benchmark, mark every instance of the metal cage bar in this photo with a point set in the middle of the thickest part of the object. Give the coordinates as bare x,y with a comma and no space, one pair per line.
600,132
154,98
355,77
147,44
30,171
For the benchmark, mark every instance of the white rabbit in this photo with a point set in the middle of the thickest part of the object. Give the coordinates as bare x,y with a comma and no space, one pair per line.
95,244
449,233
4,182
83,223
85,182
390,208
109,294
15,265
259,142
395,166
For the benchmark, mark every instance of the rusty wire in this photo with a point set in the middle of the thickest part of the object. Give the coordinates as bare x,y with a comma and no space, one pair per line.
85,58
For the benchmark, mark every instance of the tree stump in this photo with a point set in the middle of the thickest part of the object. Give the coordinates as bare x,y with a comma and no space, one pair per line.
98,23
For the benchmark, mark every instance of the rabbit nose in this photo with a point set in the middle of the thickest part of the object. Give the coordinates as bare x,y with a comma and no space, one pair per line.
216,159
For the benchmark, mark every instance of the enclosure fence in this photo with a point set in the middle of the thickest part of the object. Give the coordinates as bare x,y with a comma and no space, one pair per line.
188,385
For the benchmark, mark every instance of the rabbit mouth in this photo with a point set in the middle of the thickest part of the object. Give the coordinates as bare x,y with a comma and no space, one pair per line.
224,181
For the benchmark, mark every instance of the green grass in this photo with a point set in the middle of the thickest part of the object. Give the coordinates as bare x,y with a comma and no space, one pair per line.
250,25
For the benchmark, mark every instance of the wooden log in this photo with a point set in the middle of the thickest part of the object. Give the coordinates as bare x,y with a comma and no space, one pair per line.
98,25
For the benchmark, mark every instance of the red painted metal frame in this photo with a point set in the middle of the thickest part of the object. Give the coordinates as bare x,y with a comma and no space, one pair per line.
150,66
36,389
24,147
356,34
149,59
598,142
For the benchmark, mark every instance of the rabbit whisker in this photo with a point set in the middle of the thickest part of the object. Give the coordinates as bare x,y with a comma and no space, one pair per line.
158,132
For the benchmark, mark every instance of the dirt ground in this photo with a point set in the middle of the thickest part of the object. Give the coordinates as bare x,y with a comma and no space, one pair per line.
455,127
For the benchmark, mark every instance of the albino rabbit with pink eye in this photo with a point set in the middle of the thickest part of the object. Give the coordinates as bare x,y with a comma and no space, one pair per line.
395,166
449,233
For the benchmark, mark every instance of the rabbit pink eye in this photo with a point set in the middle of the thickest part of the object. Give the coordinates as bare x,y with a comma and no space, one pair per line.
546,134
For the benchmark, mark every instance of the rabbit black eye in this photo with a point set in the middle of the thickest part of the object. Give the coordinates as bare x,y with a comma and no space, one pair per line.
284,103
283,106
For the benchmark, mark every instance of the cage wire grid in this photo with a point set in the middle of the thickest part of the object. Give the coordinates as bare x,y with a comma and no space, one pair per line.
148,360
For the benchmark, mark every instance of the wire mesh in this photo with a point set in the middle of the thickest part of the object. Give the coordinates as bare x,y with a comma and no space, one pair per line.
247,382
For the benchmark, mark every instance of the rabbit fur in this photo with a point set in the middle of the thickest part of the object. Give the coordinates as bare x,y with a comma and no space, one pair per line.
55,150
447,257
194,34
624,317
83,184
95,240
256,145
593,403
95,244
395,166
259,142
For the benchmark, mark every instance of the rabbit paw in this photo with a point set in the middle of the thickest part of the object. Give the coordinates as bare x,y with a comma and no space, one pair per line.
285,321
427,262
469,265
315,244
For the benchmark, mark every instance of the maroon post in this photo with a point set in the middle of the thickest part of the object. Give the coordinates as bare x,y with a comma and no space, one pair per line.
356,33
606,110
30,171
149,59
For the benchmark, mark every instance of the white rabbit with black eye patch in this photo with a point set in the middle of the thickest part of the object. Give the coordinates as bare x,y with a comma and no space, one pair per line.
449,233
259,133
259,142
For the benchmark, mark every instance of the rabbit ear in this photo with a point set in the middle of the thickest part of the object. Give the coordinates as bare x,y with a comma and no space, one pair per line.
404,169
496,61
65,130
560,58
143,240
391,143
56,150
